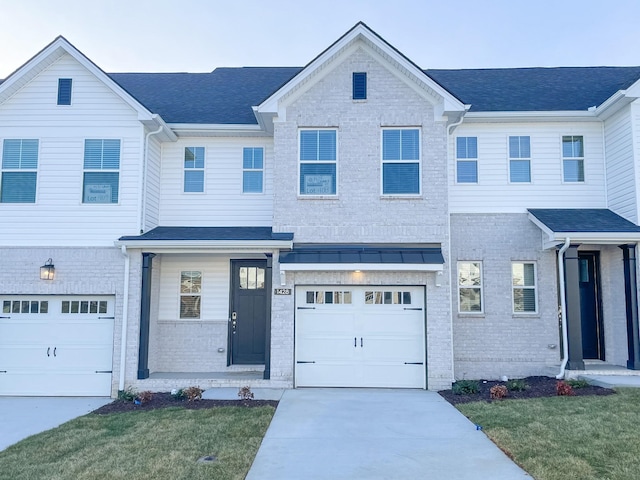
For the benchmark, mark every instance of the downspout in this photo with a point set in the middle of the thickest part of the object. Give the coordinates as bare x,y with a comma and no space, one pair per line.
125,317
451,272
143,187
563,309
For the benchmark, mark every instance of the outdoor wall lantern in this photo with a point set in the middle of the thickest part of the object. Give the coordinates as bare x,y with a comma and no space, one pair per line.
47,270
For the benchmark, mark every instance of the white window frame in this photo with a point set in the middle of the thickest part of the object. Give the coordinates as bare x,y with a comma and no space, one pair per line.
519,159
261,170
468,159
479,287
580,159
194,169
383,162
189,294
317,162
533,287
20,170
95,170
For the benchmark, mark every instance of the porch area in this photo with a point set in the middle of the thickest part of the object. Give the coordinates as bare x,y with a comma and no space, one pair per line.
606,375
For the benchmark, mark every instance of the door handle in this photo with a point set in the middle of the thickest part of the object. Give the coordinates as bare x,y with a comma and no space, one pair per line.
360,341
48,348
54,351
355,342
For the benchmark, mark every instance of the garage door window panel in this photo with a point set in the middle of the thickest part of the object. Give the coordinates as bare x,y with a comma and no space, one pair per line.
321,297
17,306
387,298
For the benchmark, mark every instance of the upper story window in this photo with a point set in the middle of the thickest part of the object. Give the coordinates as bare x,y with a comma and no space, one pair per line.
523,277
64,91
470,287
253,170
318,162
401,161
19,171
520,159
359,86
194,169
467,160
101,171
573,158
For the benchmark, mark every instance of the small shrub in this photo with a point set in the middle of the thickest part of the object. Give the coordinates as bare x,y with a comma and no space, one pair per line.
245,393
127,395
177,393
193,393
498,391
145,397
465,387
577,383
517,385
564,389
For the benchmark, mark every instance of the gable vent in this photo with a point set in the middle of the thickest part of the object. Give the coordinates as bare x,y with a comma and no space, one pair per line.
359,86
64,91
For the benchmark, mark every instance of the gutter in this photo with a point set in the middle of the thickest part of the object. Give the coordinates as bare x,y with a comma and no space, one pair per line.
563,309
125,317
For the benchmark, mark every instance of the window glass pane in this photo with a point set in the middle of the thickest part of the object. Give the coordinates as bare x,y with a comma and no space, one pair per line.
252,182
318,179
327,145
25,306
93,306
251,278
6,306
244,278
18,187
572,146
190,282
100,187
346,297
470,300
259,278
35,307
378,298
519,171
368,298
469,274
102,307
194,181
410,144
400,178
467,171
328,297
84,307
308,145
391,145
65,306
111,154
387,297
320,297
11,153
573,170
467,147
29,155
524,300
519,147
311,297
406,298
15,307
75,306
190,306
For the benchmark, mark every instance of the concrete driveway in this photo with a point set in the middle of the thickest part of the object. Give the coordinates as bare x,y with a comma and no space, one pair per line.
21,417
375,434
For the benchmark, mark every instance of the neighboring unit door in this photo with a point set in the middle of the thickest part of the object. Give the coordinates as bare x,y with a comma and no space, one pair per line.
360,336
248,312
592,329
56,345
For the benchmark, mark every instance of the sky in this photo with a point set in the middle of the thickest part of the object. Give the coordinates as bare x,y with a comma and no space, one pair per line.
200,35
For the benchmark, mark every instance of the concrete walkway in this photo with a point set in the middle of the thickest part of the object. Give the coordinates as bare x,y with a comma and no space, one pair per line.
612,381
21,417
370,434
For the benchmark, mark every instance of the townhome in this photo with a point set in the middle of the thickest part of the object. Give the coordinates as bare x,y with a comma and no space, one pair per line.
357,222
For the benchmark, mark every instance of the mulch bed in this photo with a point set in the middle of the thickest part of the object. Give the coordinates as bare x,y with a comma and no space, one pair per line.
164,400
538,387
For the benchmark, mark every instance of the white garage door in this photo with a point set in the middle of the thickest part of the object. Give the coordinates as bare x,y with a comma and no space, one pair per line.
357,336
56,345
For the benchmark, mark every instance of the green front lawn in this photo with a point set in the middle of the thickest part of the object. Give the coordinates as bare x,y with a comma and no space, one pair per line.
156,444
580,438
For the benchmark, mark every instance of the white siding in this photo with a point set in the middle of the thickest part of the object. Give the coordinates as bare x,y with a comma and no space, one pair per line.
222,203
494,194
635,125
59,217
152,201
621,188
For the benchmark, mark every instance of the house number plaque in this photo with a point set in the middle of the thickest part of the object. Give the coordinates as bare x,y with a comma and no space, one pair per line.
282,291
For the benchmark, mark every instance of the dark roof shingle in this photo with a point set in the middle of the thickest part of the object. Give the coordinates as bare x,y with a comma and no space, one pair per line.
581,220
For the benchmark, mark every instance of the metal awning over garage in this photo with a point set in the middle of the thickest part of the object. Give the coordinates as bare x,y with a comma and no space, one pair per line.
584,225
362,257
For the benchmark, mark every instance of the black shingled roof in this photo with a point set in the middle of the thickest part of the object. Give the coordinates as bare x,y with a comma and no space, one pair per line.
210,233
582,220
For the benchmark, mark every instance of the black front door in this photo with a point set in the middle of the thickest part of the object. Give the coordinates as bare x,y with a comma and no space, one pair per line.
248,312
592,332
